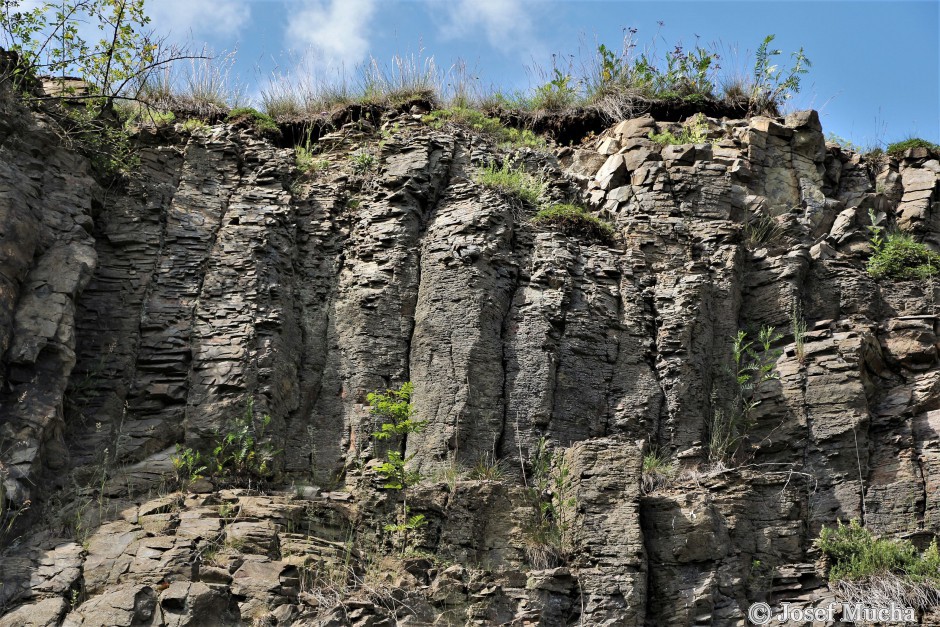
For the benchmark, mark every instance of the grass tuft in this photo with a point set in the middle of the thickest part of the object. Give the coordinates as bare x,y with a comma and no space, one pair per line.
897,148
575,220
514,183
488,468
261,123
479,122
658,471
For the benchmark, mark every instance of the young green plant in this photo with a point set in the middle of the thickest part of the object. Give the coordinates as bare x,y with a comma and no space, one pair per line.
393,408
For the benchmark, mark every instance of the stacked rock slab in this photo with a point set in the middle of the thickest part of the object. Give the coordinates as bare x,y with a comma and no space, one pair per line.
139,318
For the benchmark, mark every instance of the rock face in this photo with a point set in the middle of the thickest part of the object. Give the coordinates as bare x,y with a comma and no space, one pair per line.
138,318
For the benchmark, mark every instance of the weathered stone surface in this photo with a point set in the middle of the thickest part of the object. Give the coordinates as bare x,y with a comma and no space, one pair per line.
216,277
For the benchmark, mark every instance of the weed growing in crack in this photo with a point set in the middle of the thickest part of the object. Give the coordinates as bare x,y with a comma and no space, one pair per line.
798,326
551,495
362,162
242,456
658,471
751,369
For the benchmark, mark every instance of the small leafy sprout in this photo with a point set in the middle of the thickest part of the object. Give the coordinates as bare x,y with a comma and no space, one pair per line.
750,370
774,83
362,162
188,464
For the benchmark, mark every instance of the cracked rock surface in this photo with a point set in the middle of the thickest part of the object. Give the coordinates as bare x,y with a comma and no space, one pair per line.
141,317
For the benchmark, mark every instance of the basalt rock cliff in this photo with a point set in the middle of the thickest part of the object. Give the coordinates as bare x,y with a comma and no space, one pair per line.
143,315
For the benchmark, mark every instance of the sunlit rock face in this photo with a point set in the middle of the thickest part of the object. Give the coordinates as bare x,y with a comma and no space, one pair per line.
138,319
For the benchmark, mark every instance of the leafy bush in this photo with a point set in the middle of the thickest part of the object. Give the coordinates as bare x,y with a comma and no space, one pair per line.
259,122
394,409
242,455
555,95
514,183
774,83
685,74
899,256
881,567
575,220
897,148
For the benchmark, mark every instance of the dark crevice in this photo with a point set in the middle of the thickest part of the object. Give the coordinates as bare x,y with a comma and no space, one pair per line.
207,262
517,284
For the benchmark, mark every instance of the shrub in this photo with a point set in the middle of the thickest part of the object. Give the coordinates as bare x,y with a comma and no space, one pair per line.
774,83
575,220
259,122
897,148
514,183
859,558
241,456
393,408
899,256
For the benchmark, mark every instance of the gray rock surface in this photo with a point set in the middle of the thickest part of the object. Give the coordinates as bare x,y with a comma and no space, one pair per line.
140,318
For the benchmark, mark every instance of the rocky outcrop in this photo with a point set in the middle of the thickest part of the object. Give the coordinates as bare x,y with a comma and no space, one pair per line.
140,318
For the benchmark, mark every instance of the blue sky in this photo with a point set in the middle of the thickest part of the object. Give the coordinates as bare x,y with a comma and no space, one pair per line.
875,74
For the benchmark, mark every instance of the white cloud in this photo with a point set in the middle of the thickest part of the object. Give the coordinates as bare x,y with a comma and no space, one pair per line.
507,24
199,17
337,31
